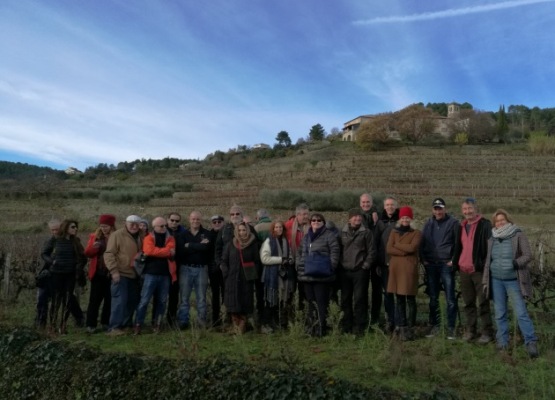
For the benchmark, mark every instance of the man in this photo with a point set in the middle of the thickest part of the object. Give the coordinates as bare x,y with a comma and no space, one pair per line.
174,229
357,256
158,273
263,223
369,220
380,272
123,245
469,258
45,290
43,281
369,211
296,227
194,250
215,273
436,253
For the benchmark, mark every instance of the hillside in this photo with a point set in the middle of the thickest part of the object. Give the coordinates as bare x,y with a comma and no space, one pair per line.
498,175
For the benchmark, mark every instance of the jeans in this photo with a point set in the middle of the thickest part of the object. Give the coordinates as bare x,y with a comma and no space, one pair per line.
472,292
501,290
158,286
354,289
192,278
437,275
125,296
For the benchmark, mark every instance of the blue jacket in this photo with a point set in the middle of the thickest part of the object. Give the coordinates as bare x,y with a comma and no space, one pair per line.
438,240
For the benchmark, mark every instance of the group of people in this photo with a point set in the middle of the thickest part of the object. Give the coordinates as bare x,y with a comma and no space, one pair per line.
257,269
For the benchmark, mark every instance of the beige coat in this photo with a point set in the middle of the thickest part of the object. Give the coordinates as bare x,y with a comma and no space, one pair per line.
120,253
403,262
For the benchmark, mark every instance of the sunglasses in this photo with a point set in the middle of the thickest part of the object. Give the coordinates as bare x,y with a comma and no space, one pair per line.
73,227
175,220
234,214
316,220
217,221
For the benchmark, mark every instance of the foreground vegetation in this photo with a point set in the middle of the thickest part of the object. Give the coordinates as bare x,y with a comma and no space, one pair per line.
376,365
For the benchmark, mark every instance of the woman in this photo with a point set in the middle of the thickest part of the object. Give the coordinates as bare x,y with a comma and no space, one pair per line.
68,261
98,273
278,277
143,226
506,274
317,260
240,263
402,249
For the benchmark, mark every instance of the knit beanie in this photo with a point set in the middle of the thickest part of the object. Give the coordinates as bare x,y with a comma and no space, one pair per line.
107,219
405,211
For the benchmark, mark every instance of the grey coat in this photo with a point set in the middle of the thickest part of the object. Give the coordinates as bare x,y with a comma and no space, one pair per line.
357,248
522,256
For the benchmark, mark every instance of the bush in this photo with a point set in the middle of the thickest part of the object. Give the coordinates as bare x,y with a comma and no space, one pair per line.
339,200
32,367
540,143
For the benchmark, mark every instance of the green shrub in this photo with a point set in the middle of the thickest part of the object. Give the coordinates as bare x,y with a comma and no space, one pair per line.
339,200
540,143
36,368
84,193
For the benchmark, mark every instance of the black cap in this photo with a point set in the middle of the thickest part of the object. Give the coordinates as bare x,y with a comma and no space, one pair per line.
438,202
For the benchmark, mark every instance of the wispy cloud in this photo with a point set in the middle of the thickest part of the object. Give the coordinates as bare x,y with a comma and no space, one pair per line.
454,12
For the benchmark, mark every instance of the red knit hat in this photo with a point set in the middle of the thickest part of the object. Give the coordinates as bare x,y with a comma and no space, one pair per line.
405,211
107,219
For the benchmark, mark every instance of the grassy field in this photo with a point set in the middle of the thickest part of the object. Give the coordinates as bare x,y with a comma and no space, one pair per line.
506,176
424,365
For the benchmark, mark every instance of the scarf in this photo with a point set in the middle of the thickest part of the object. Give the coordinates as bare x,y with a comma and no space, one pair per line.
505,232
403,229
313,234
242,243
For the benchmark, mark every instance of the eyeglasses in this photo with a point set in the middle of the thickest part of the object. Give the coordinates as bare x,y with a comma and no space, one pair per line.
234,214
217,221
315,220
175,220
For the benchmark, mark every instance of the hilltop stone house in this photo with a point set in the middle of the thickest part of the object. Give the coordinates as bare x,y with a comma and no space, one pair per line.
351,127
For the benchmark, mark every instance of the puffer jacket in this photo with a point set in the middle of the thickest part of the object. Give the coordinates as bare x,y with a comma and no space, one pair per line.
522,256
327,244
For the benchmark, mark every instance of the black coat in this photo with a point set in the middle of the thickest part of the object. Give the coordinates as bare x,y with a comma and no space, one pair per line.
239,293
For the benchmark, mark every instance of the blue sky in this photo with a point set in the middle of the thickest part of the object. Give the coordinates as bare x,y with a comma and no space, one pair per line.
84,82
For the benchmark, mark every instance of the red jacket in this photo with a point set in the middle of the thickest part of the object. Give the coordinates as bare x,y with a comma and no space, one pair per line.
93,253
150,250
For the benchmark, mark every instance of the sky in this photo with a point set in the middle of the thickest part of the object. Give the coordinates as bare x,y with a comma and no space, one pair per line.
86,82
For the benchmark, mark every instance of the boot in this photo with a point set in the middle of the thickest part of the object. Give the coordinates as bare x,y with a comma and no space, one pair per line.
137,330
